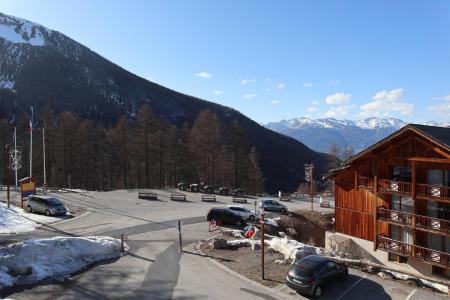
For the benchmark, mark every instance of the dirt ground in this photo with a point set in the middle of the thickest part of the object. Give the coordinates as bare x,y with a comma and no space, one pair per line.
307,227
247,262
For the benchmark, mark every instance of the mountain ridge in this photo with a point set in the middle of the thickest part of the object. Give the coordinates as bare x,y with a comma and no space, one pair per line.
358,134
61,74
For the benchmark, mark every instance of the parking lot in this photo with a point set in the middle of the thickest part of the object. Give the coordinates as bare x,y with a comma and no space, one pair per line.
155,269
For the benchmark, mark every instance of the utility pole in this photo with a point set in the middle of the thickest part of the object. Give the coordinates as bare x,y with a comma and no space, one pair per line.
31,143
6,172
309,176
262,246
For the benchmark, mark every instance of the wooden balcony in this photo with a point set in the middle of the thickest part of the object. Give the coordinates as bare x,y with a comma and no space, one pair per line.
394,186
440,193
395,216
365,182
434,257
424,223
432,224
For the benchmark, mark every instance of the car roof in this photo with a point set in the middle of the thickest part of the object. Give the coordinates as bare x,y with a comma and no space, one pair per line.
239,206
43,196
314,260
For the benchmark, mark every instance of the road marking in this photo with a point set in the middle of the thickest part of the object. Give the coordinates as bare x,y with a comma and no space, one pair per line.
352,286
411,294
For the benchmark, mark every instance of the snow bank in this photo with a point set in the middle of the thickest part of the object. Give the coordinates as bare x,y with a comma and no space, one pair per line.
292,249
16,220
34,260
439,287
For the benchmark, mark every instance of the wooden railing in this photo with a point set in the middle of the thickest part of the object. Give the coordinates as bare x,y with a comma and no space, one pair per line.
433,191
434,224
409,219
395,216
365,182
422,253
433,256
394,246
395,186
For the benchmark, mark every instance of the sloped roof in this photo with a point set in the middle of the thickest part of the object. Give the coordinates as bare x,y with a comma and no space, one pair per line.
439,135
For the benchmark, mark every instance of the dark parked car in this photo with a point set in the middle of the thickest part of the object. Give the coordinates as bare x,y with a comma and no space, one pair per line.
45,204
194,187
223,191
226,216
311,273
237,192
208,189
183,186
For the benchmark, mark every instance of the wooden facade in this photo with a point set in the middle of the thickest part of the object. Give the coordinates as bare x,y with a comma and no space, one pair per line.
396,194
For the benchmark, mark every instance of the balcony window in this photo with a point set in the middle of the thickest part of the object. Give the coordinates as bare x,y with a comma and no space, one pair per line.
439,178
401,173
405,204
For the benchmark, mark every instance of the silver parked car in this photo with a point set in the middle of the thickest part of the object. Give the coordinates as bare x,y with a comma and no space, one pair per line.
45,204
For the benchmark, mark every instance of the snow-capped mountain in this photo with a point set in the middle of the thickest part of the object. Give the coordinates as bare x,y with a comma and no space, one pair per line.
319,134
49,70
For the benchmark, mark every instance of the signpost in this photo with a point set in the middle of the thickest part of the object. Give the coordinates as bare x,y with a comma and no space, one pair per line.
27,188
262,246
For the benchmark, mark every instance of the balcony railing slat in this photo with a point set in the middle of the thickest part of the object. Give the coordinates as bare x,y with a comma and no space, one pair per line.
395,186
433,191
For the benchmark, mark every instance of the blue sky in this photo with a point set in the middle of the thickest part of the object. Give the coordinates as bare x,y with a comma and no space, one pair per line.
273,60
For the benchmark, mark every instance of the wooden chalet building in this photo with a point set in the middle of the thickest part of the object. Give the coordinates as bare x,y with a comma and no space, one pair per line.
394,197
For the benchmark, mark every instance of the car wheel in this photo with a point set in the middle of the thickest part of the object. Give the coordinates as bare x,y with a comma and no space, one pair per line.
317,292
29,209
251,218
47,212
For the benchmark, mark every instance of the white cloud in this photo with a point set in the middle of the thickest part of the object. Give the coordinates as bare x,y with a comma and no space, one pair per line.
311,109
385,102
339,112
281,86
275,102
268,80
308,84
249,96
315,102
332,82
247,81
442,109
204,75
218,92
447,98
338,98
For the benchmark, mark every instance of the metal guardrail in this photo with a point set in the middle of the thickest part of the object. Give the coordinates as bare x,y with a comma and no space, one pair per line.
178,197
208,198
147,195
239,200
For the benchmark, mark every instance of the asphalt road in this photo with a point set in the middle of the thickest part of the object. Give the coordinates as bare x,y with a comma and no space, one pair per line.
155,269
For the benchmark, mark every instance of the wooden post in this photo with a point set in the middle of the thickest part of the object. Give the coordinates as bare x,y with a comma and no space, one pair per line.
121,242
262,246
179,236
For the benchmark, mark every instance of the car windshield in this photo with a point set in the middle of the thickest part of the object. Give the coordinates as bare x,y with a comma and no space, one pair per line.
53,201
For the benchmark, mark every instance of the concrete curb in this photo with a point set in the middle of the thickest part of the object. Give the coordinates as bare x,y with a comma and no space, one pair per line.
272,291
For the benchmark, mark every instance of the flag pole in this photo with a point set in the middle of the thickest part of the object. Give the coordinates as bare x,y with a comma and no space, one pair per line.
15,155
31,143
43,150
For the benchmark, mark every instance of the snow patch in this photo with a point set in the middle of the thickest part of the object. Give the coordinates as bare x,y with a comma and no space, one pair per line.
34,260
439,287
6,84
16,220
21,31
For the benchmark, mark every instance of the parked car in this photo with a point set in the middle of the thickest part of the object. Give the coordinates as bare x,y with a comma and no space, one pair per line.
183,186
223,191
243,212
48,205
273,205
208,189
226,216
237,192
194,187
311,273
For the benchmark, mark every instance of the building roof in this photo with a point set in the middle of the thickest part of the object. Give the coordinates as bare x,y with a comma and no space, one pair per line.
439,135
